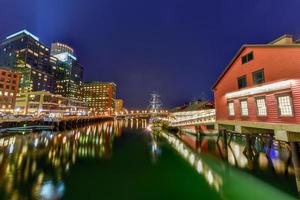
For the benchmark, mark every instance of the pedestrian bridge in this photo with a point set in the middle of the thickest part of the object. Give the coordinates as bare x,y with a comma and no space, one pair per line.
192,118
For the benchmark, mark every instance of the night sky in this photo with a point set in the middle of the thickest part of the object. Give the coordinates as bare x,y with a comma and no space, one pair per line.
175,47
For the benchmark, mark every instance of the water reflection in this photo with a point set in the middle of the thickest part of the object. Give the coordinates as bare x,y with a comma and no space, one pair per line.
212,177
270,160
33,166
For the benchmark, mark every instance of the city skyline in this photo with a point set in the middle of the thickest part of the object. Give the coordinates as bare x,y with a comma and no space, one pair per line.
173,99
176,49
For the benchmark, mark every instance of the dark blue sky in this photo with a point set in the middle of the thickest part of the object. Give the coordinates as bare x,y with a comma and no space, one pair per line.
175,47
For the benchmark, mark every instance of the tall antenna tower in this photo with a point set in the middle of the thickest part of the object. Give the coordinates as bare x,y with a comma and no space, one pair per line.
155,103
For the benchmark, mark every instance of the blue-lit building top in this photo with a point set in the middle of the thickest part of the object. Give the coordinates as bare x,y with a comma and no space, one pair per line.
70,71
23,32
24,53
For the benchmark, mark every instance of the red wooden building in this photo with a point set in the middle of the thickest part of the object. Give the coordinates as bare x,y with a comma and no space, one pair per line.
259,91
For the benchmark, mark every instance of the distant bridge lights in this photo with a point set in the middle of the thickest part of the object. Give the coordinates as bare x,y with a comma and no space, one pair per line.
140,112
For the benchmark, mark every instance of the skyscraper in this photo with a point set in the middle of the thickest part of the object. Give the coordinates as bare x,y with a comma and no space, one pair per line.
57,48
24,53
69,72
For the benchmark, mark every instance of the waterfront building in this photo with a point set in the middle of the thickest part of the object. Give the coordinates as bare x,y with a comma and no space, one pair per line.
100,96
194,117
259,91
9,85
25,54
69,72
43,102
119,105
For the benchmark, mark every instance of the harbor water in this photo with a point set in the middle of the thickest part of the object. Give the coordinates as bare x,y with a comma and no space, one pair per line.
125,160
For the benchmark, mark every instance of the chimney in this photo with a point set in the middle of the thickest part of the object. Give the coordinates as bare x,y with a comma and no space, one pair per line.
283,40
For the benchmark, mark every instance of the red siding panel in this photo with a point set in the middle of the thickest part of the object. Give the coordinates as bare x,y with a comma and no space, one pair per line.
280,63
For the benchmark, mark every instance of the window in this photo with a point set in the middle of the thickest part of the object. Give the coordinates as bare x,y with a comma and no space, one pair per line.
231,109
261,106
244,108
242,82
285,105
258,77
248,57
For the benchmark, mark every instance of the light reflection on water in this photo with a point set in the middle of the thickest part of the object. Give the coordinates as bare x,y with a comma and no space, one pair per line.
37,162
34,166
274,162
195,161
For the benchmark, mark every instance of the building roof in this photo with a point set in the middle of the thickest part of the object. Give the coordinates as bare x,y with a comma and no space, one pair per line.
23,32
193,106
270,45
98,82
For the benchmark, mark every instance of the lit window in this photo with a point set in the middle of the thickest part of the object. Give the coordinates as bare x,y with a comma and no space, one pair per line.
285,105
244,108
231,109
261,106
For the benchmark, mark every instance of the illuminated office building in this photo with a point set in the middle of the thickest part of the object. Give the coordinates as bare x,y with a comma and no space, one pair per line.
25,54
68,71
119,105
100,96
43,102
58,48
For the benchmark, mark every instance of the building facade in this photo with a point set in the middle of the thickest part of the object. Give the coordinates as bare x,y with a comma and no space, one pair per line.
100,96
119,105
259,91
9,85
69,72
43,102
58,48
25,54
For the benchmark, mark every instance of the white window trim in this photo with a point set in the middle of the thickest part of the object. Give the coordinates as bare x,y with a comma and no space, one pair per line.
241,101
231,114
257,108
291,104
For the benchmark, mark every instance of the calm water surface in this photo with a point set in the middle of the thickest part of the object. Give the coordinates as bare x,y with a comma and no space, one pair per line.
122,160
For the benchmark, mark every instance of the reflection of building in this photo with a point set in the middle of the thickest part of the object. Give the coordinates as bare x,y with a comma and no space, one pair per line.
9,85
24,53
68,73
259,90
27,155
100,96
119,105
45,102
